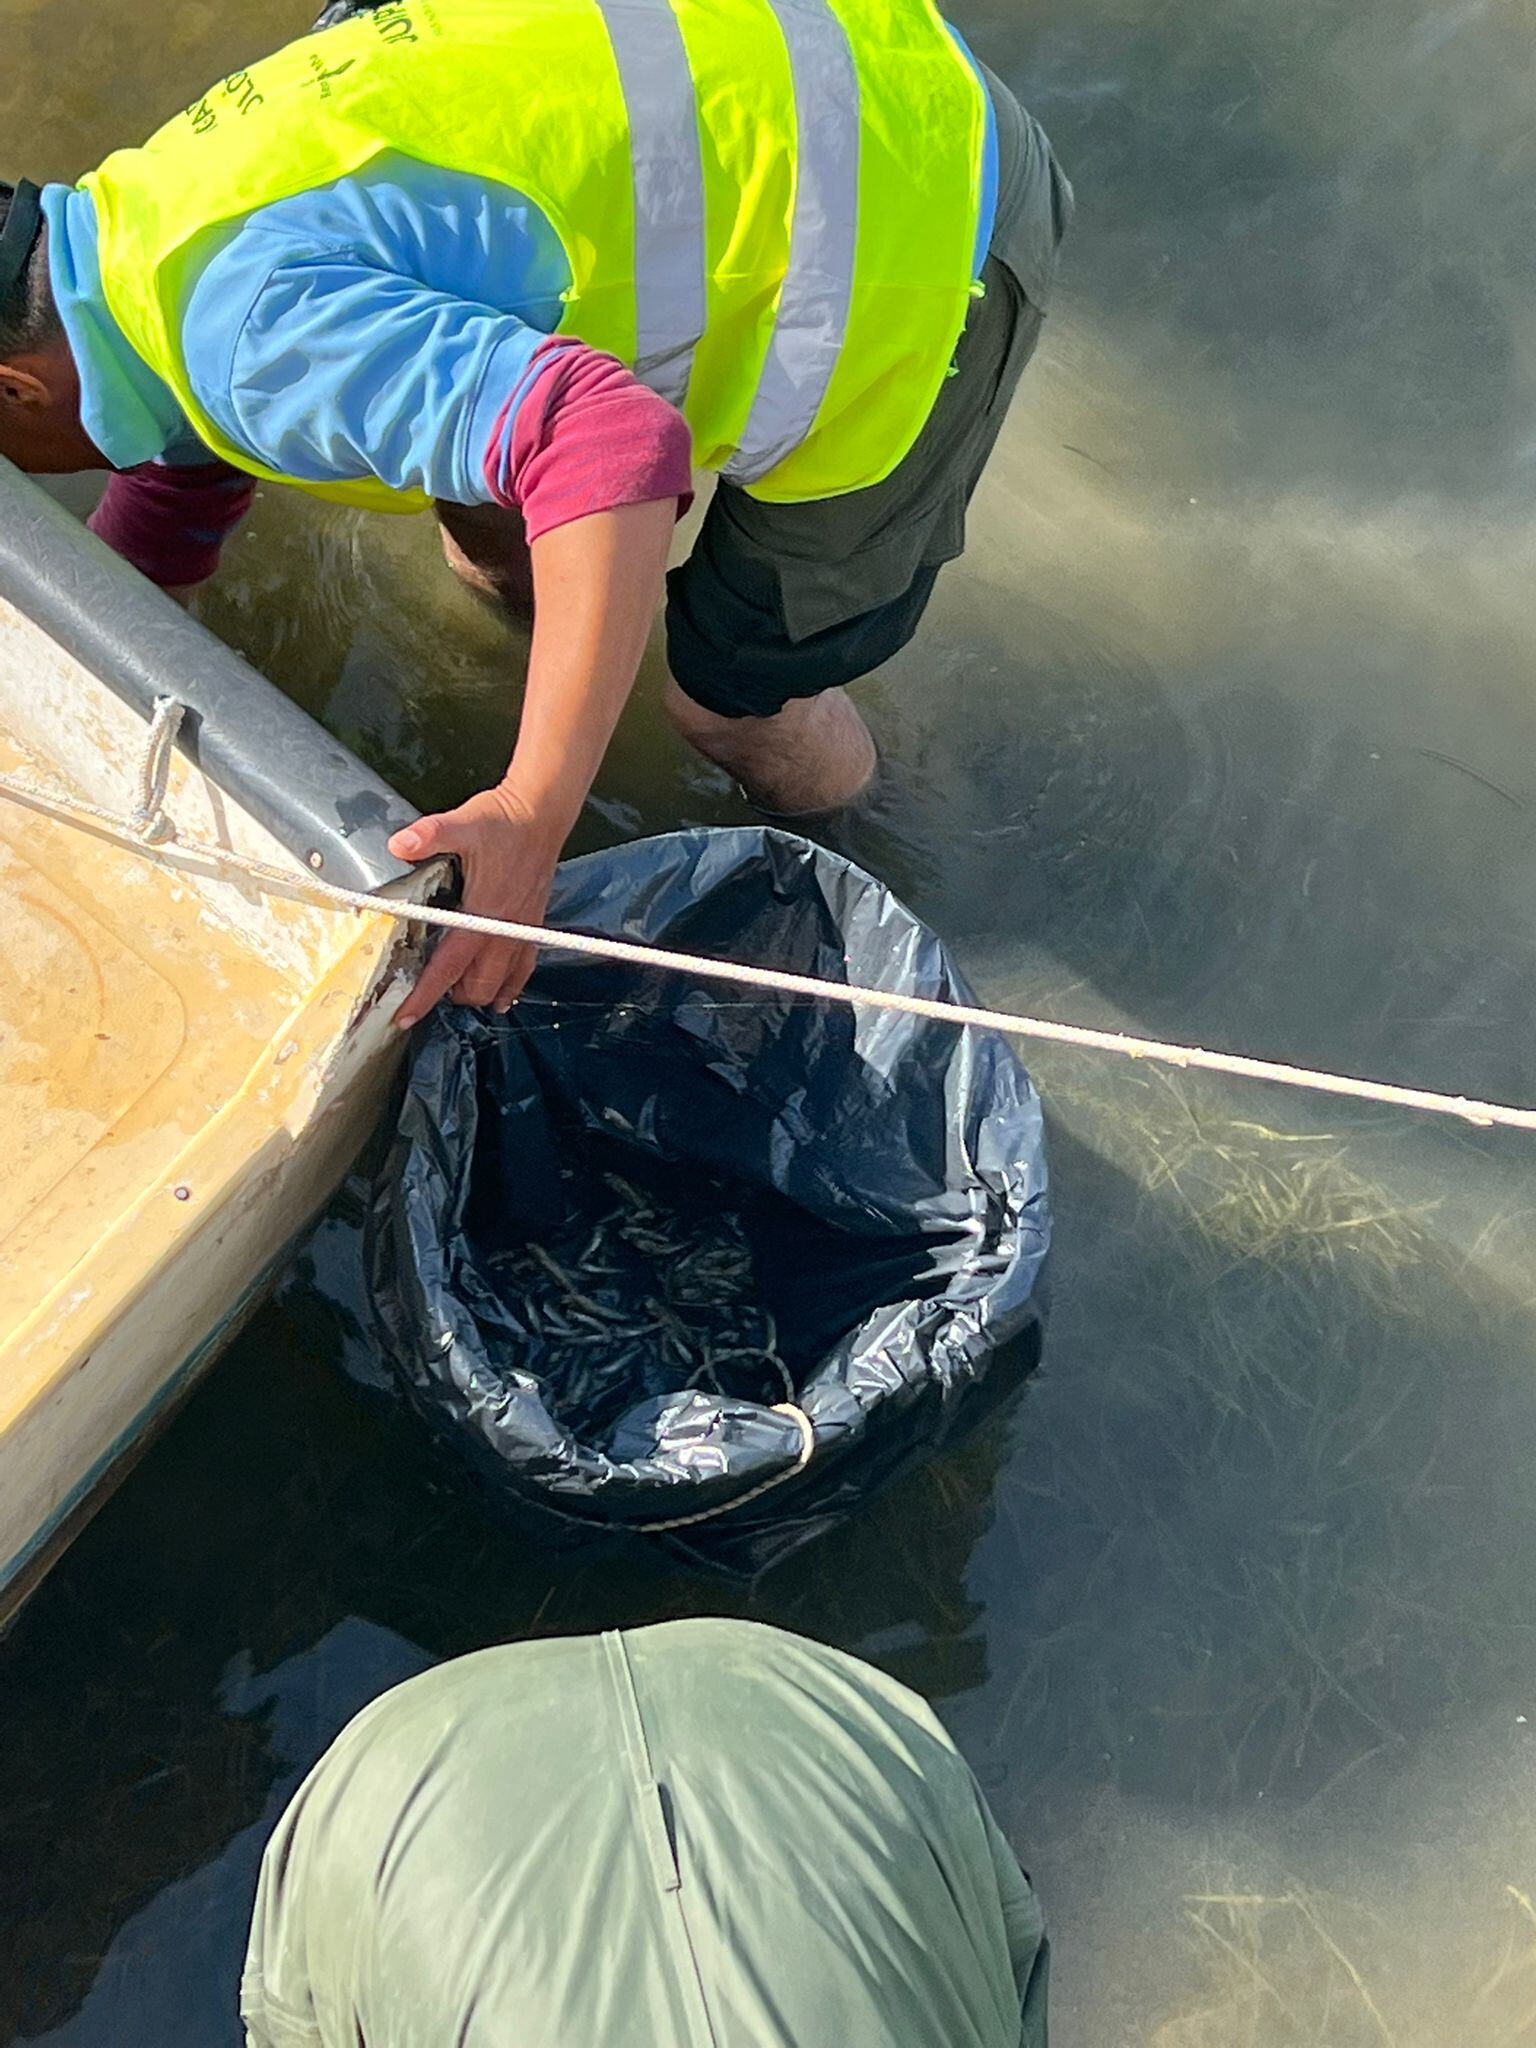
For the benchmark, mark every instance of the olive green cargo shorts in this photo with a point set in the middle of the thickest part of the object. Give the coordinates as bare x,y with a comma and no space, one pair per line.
784,601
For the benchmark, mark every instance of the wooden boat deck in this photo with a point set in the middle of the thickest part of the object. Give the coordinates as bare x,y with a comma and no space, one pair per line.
130,1018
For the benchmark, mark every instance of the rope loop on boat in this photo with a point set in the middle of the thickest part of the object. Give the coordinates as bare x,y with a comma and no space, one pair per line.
159,840
148,819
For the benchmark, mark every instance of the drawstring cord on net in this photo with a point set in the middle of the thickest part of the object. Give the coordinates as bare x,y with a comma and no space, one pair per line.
802,1458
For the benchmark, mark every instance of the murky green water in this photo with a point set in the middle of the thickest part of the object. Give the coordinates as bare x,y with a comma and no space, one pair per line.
1226,729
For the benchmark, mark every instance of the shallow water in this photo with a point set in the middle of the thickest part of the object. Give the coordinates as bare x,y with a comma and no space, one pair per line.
1225,729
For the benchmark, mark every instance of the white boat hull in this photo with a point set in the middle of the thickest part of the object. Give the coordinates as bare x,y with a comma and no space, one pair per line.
189,1062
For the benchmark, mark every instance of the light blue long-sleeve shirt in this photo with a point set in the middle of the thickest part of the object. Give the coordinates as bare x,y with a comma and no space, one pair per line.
378,326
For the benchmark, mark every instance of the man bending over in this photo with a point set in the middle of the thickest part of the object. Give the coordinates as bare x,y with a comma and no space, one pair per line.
529,263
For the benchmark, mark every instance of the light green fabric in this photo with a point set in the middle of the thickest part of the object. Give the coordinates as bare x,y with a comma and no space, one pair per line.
703,1835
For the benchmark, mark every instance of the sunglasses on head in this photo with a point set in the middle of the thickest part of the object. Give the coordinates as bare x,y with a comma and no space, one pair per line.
18,238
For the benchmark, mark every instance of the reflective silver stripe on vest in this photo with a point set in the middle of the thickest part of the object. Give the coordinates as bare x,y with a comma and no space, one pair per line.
818,288
670,250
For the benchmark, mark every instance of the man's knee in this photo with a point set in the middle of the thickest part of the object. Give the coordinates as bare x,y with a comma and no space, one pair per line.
472,574
691,718
486,547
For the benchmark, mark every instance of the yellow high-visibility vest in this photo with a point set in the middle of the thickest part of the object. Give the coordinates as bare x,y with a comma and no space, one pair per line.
769,207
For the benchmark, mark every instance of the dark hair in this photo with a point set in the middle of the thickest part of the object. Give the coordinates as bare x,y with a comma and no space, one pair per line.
29,319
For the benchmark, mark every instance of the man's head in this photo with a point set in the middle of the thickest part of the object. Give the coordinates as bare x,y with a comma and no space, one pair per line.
40,426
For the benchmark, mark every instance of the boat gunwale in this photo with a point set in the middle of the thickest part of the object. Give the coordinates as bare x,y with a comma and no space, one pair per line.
323,805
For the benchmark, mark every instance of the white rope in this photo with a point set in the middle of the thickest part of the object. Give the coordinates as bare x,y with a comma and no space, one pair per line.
148,818
294,881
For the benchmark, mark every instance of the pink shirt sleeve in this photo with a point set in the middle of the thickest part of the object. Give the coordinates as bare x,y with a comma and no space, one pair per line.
580,435
171,521
584,435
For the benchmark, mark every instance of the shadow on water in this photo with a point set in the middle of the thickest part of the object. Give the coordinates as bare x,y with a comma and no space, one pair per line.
1225,731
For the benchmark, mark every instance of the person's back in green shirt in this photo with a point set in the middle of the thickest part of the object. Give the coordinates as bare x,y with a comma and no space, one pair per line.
706,1834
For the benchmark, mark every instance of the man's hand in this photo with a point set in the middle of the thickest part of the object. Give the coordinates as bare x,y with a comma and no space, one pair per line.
509,863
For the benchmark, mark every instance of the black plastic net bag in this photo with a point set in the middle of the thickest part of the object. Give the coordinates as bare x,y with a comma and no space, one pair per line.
708,1264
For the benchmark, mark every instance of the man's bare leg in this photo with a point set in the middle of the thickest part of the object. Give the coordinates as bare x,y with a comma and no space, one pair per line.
814,755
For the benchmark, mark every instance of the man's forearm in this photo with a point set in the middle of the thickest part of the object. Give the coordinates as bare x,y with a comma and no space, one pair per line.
597,584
